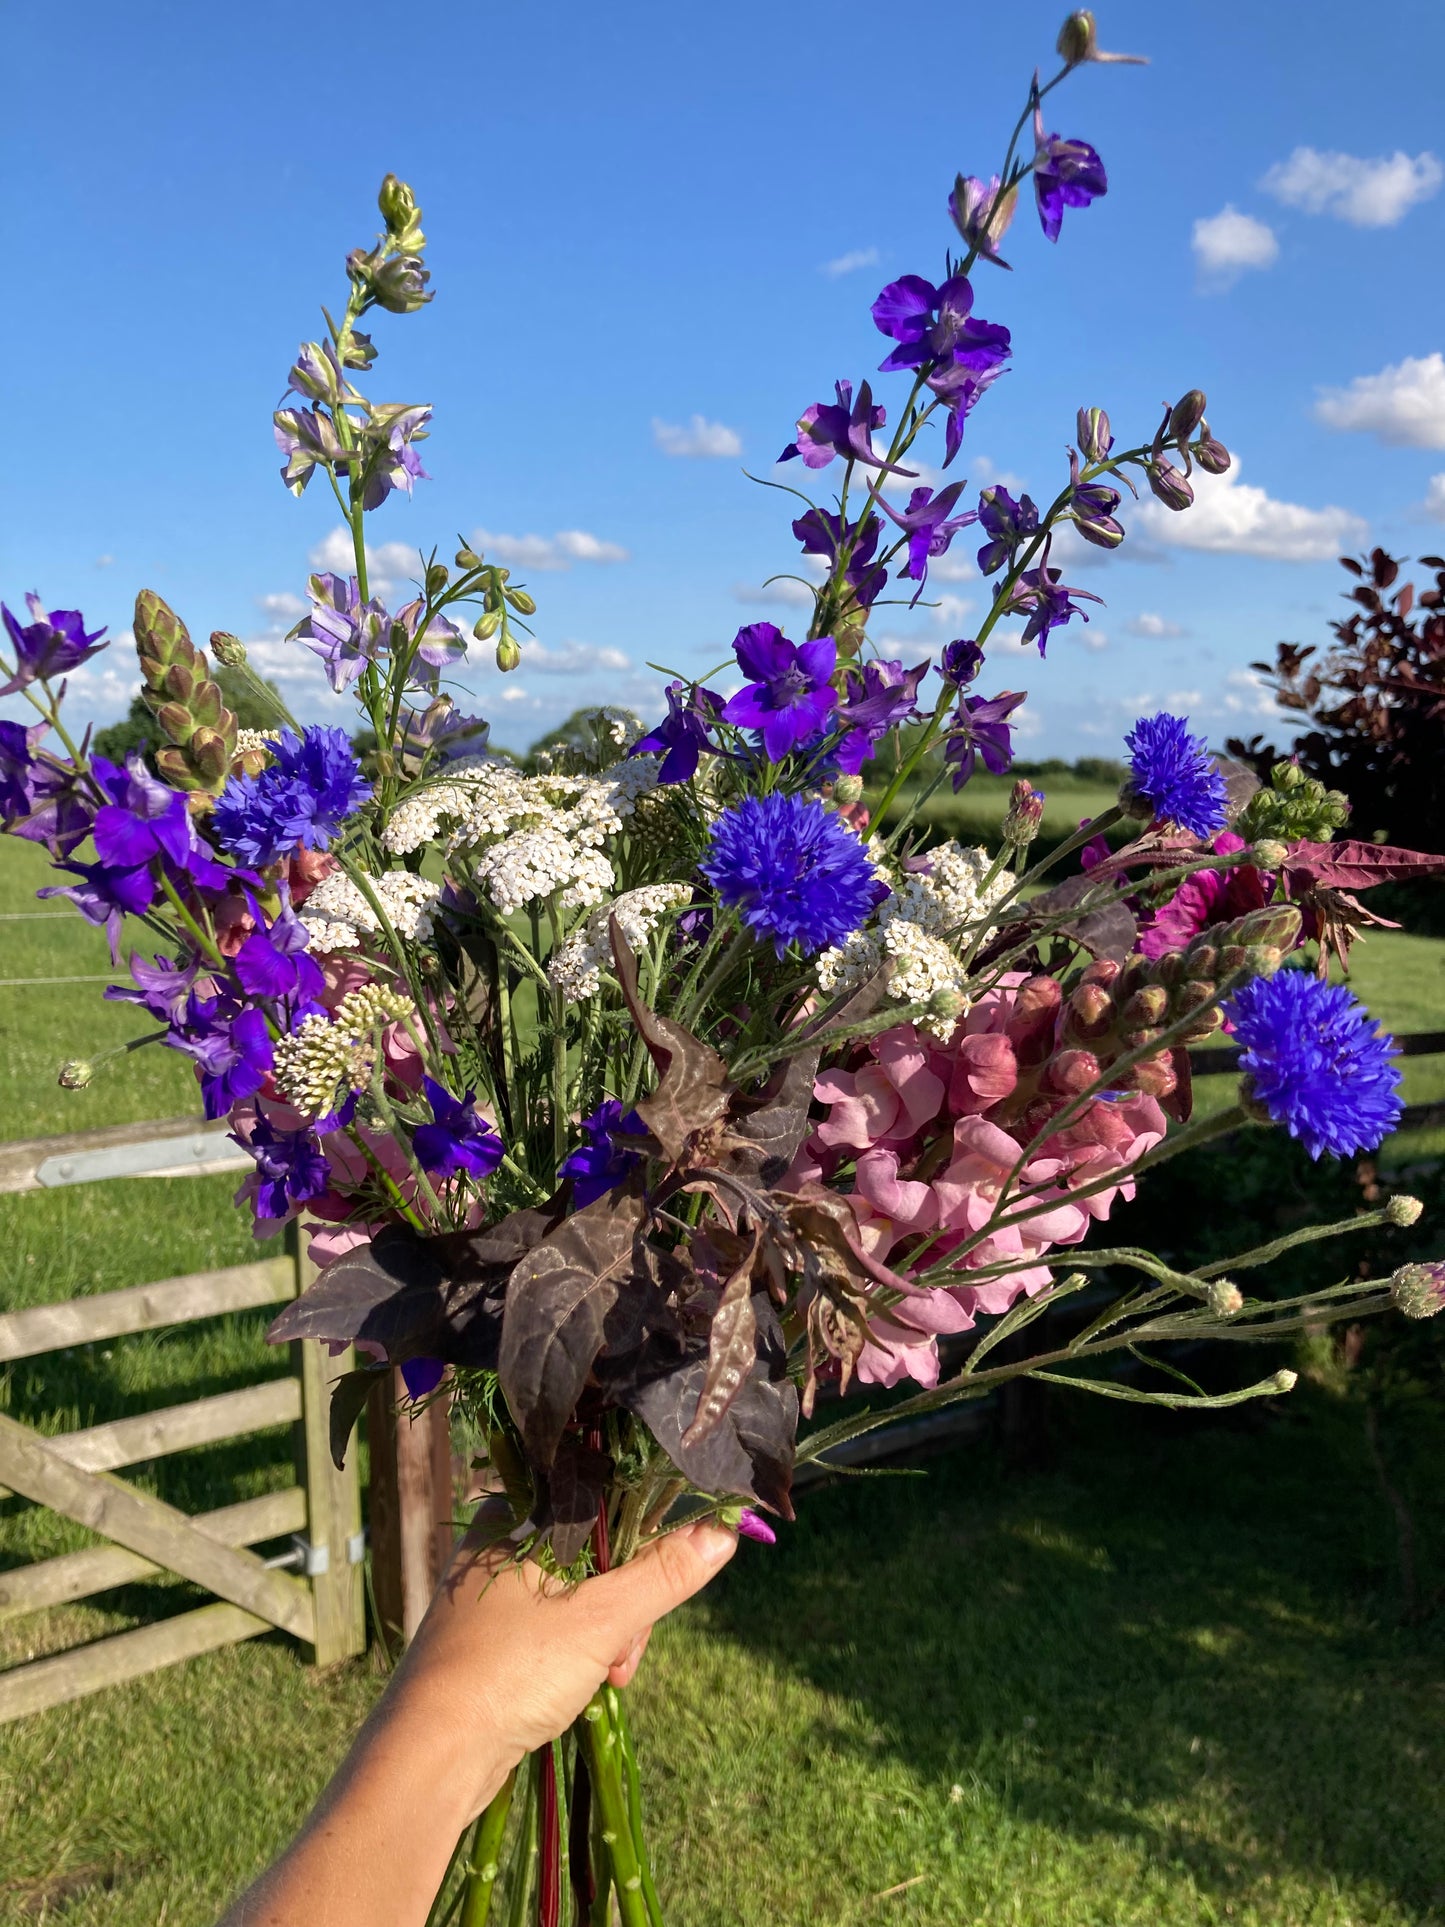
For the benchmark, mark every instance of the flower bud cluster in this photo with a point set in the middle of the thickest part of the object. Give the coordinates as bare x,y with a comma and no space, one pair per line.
326,1059
184,700
1293,808
1419,1290
337,915
576,966
1185,430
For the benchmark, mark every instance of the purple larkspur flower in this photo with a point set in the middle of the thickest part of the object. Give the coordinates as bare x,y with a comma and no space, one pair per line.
682,735
391,460
877,699
1007,523
960,662
936,324
825,534
342,629
19,769
1044,598
144,818
304,795
52,643
1067,173
930,526
982,214
1092,506
161,984
959,389
790,695
273,963
456,1139
42,799
1174,774
442,732
107,894
308,440
1313,1059
291,1169
603,1161
793,870
843,428
316,373
980,732
442,644
230,1045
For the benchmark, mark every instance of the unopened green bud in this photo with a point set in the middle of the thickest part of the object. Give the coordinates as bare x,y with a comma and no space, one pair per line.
397,203
508,655
1186,415
847,790
1269,855
1094,436
1288,776
1134,805
75,1074
437,578
1224,1297
1419,1290
947,1004
211,755
1078,37
524,604
1285,1380
1403,1210
468,559
1210,453
485,627
228,650
175,719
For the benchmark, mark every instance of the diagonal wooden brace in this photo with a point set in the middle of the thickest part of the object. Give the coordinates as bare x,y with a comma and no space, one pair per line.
30,1464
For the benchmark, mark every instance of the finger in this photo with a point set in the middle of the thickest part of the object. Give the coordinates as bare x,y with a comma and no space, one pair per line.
628,1599
622,1670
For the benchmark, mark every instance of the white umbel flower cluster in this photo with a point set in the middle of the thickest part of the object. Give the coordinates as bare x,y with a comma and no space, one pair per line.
325,1059
337,915
248,740
576,967
924,909
418,817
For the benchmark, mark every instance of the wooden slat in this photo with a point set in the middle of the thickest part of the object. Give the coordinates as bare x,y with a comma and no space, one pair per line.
42,1683
79,1575
333,1504
172,1428
170,1301
148,1526
19,1161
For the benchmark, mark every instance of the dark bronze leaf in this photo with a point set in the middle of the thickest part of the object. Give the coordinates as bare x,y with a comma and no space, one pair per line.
1356,866
1240,783
1108,931
576,1482
732,1347
348,1400
693,1088
558,1301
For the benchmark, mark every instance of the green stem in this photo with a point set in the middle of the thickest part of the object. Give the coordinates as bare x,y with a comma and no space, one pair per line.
632,1777
485,1858
524,1855
605,1765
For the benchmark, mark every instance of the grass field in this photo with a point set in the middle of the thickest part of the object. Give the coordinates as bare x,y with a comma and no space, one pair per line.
1162,1680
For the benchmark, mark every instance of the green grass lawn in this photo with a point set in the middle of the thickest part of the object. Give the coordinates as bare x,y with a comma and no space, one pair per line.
1163,1680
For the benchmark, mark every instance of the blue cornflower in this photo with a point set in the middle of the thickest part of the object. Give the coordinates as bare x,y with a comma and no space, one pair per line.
1315,1062
603,1162
1173,774
304,795
797,874
458,1140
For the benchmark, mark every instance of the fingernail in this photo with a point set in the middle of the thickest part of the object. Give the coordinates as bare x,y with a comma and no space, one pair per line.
713,1544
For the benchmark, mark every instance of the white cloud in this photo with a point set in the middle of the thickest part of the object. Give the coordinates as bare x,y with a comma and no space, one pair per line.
1404,404
1247,694
513,693
283,607
989,475
1434,503
1229,517
850,263
797,595
547,552
1092,636
104,561
956,566
949,611
572,658
697,437
1156,627
1228,243
387,563
1366,193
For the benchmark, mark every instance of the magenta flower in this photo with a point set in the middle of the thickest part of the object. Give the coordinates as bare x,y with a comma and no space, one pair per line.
790,695
51,644
752,1525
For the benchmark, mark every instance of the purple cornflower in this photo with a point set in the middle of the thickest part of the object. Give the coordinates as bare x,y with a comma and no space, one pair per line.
1315,1062
981,732
52,643
161,985
107,894
926,522
879,697
795,872
1007,523
274,964
982,214
308,440
391,460
1173,773
230,1044
291,1169
604,1161
960,662
457,1140
936,325
1067,173
144,818
1042,595
682,735
304,795
790,695
342,629
845,428
825,534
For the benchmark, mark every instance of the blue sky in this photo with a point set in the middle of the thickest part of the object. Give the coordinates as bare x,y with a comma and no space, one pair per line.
658,229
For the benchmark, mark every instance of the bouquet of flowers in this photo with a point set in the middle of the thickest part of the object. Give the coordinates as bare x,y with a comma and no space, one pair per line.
644,1101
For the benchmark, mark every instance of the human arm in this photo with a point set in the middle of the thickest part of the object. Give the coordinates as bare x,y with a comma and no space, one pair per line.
503,1662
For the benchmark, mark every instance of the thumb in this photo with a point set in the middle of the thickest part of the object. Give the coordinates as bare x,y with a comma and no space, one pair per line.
628,1600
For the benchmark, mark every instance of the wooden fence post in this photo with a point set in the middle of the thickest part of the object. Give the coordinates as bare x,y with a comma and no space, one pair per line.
333,1498
412,1507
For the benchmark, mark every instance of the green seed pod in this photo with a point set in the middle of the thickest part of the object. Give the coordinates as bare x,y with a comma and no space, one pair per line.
1078,37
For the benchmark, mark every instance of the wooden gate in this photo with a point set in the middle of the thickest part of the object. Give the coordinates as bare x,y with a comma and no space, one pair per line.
74,1474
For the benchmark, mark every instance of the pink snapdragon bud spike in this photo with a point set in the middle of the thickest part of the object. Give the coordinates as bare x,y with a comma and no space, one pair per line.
752,1525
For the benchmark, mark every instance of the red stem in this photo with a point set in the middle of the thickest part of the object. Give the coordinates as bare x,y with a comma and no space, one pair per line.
549,1878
